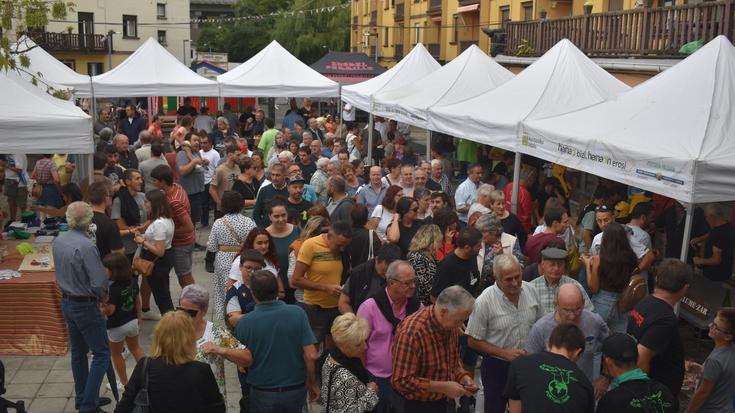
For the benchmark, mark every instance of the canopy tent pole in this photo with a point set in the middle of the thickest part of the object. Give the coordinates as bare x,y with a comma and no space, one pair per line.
90,162
370,133
339,109
428,145
687,232
516,183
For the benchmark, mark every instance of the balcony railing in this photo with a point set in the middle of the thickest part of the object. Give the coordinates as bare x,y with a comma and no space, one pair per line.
644,31
70,42
468,2
435,8
434,49
398,52
398,15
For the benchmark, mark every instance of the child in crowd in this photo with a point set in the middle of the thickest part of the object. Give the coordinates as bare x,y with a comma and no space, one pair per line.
715,392
123,312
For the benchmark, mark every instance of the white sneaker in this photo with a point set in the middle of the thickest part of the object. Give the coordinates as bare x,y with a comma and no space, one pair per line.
120,388
126,353
150,315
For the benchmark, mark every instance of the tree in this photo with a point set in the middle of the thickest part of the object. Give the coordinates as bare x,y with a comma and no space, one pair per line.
243,38
17,16
311,34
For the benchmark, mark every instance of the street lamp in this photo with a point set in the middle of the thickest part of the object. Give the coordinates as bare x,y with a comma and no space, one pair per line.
184,43
109,47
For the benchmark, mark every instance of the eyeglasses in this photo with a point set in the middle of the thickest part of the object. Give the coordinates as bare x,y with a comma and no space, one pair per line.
191,313
251,269
407,282
713,325
571,310
603,208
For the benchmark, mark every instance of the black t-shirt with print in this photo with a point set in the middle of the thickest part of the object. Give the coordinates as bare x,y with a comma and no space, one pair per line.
654,324
106,234
456,271
722,237
631,397
122,296
548,382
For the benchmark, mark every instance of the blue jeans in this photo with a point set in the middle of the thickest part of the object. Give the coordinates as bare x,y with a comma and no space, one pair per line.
87,331
291,401
494,374
605,303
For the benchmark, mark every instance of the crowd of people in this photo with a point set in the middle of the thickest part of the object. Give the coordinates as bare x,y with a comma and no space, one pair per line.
367,284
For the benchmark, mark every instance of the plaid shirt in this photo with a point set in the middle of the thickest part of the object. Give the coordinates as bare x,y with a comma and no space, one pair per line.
546,293
423,351
43,169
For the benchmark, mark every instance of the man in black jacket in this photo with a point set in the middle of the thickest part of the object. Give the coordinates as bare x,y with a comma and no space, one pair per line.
340,206
367,279
632,390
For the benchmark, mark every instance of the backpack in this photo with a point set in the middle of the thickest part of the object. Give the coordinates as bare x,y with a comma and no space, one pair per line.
634,292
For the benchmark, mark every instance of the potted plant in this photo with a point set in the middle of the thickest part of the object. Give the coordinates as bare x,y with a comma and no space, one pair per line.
588,7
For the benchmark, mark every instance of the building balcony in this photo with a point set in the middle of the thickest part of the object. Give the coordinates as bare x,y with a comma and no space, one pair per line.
644,31
398,15
398,52
468,2
435,8
70,42
434,49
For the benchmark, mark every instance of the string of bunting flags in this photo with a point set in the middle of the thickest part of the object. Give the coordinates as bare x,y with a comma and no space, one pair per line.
285,13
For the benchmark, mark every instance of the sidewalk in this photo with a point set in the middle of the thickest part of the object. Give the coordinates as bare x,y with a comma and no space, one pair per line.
46,383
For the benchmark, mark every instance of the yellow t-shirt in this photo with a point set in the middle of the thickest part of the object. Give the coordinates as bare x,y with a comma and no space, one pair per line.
60,161
325,267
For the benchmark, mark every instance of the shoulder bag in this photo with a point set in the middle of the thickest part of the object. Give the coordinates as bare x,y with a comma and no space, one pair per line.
142,402
143,266
232,231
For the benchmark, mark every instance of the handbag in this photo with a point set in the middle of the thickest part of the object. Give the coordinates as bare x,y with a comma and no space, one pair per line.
634,292
143,266
142,402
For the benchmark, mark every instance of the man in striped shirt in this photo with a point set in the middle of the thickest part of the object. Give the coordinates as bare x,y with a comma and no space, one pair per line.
427,369
162,177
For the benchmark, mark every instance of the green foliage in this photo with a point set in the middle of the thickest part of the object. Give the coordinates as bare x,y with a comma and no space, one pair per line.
525,49
308,35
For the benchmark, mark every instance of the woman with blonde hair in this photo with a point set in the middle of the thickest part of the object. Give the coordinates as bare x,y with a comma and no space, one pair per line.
346,384
422,257
176,382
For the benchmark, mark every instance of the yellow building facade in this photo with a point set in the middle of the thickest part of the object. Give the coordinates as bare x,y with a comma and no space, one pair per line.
448,27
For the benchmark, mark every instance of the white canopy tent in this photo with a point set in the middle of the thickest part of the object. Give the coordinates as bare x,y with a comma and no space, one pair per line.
274,72
33,121
561,81
152,71
48,69
414,66
672,134
471,73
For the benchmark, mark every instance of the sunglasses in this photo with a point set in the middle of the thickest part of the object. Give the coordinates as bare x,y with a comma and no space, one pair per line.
191,313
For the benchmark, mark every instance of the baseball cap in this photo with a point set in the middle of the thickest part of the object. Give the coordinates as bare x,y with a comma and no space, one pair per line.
296,179
620,347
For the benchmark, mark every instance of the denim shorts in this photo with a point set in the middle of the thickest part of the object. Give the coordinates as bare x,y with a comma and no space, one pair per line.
183,259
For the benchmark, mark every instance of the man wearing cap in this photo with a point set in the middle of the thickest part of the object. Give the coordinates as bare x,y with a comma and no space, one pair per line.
569,309
552,267
549,381
631,387
295,201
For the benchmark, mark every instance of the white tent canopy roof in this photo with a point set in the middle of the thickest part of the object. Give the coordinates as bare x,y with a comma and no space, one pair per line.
414,66
152,71
673,134
274,72
33,121
471,73
562,80
48,69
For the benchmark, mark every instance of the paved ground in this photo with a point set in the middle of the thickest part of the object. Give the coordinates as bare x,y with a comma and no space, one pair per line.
46,383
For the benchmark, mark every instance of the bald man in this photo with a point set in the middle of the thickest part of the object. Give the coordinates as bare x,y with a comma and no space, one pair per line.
569,309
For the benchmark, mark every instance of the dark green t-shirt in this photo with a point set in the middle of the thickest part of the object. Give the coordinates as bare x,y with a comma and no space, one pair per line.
276,334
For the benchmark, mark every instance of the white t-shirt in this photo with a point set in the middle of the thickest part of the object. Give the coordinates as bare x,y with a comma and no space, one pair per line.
213,157
386,217
236,275
639,249
161,229
348,113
